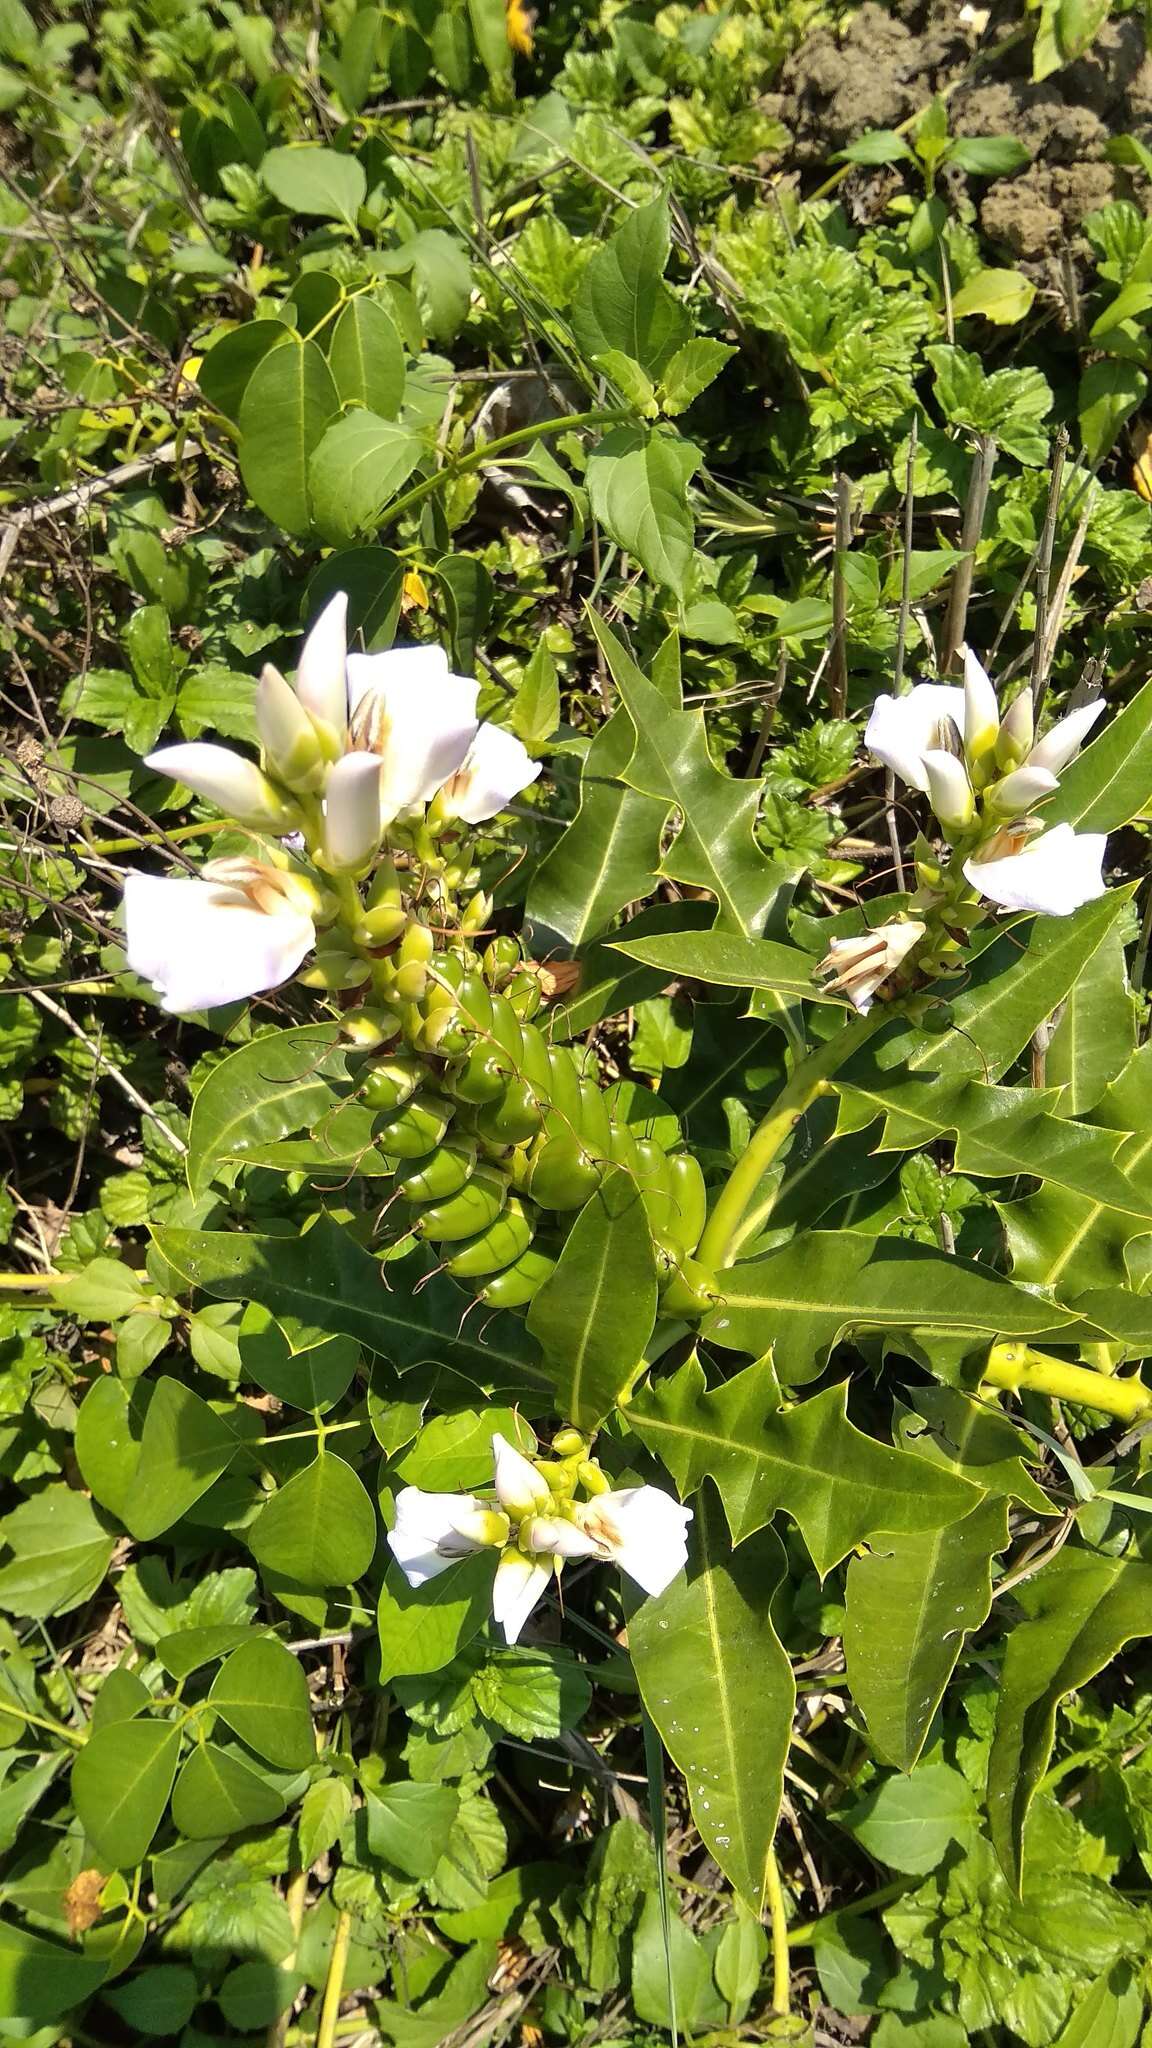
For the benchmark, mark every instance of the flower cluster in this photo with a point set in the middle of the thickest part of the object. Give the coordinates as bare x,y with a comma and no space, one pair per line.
366,754
538,1525
984,775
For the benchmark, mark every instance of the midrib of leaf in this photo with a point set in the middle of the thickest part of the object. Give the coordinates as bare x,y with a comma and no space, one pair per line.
582,1346
735,1775
1092,1217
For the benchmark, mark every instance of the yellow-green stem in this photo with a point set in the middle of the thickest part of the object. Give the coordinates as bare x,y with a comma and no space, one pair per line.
1020,1370
334,1987
487,451
774,1897
725,1232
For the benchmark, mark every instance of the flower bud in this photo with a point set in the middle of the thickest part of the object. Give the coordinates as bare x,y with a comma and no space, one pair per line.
1020,791
591,1478
381,926
321,680
352,813
567,1442
950,791
519,1486
981,713
484,1526
334,969
368,1029
234,784
287,734
1015,735
476,913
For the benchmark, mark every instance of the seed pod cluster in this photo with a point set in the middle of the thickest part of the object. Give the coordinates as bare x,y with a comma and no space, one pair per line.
499,1137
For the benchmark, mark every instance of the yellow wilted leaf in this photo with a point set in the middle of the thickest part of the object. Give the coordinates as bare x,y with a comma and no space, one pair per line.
518,20
415,590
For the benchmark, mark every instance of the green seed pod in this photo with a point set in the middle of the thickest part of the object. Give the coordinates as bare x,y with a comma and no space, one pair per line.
468,1213
525,994
499,959
595,1123
565,1118
491,1250
390,1083
483,1077
654,1184
442,1175
689,1200
535,1065
473,1019
513,1118
380,926
516,1285
506,1029
691,1291
417,1128
563,1174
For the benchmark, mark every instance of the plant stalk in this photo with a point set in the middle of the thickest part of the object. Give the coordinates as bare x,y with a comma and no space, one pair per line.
781,1977
1021,1370
723,1233
334,1987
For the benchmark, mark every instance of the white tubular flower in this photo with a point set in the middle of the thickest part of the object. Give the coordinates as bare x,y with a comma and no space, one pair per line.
408,708
321,674
238,929
1021,790
547,1533
1017,728
496,768
226,779
287,734
435,1530
1065,740
901,730
1053,875
858,967
520,1489
949,790
981,710
642,1530
520,1582
352,813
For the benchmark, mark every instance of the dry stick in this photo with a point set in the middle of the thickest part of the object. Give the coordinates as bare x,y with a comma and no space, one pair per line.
768,715
122,1082
81,495
902,645
974,509
1041,656
1064,584
838,661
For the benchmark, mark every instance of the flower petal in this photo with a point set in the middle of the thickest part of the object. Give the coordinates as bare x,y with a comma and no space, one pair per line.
1065,740
981,710
1054,875
520,1489
202,943
950,791
496,768
425,1538
518,1585
419,718
547,1533
900,729
644,1530
321,678
226,779
352,812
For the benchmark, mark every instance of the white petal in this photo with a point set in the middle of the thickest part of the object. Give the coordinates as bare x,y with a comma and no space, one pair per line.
1054,875
981,710
202,943
547,1534
645,1530
416,668
423,720
321,679
520,1489
227,779
496,768
425,1539
950,791
1020,790
352,811
901,729
1065,740
518,1585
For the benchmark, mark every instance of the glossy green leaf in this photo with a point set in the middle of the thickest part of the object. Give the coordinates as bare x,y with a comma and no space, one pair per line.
421,1628
911,1601
1000,296
319,1528
1110,391
691,370
909,1823
262,1693
288,402
120,1783
226,371
409,1825
718,1684
358,466
187,1649
311,1376
184,1448
1079,1611
159,2001
595,1312
1110,783
724,959
1108,2016
324,1809
838,1485
975,1439
609,854
623,302
453,1453
1070,1240
216,1794
41,1979
56,1550
535,711
1096,1032
261,1092
366,358
801,1299
638,486
310,179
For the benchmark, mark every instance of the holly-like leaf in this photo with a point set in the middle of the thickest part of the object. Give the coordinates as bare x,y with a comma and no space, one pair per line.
595,1312
838,1485
610,853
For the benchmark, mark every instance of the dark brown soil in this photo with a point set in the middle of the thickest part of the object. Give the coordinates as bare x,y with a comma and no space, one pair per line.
886,63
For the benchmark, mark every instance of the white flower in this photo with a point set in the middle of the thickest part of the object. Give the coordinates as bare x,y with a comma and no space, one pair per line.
520,1488
1065,740
520,1582
287,734
642,1530
1054,874
859,966
435,1530
352,813
1020,790
407,707
496,768
321,675
226,779
1017,728
981,710
901,730
237,929
950,791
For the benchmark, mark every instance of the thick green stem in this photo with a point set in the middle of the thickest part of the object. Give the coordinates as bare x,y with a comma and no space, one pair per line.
725,1232
1022,1370
781,1976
